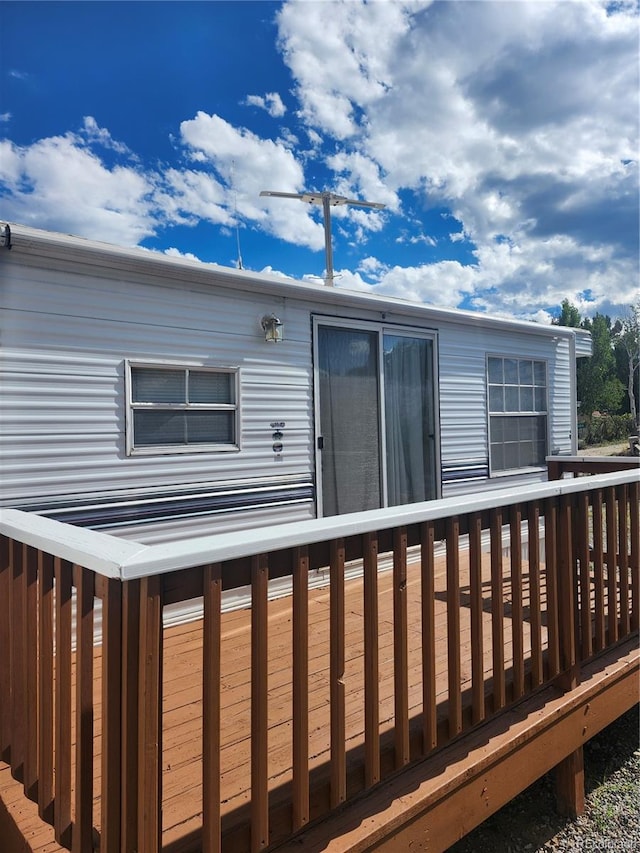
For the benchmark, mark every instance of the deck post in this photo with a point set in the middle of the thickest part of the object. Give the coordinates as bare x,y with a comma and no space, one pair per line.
570,784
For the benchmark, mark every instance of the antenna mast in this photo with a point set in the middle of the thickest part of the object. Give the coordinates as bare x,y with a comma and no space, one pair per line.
327,200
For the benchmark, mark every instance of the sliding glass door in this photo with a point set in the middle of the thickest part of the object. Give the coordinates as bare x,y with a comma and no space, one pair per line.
376,418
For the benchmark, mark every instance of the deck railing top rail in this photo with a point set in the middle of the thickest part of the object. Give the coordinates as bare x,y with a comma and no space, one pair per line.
117,558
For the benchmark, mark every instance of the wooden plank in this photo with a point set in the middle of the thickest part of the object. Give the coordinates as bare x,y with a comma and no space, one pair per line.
211,716
634,536
150,715
300,687
6,653
453,625
45,686
535,607
598,570
112,671
497,610
517,622
623,550
400,648
336,673
17,692
82,834
130,665
371,661
30,622
259,703
570,784
476,605
566,596
582,546
612,565
62,703
551,561
427,578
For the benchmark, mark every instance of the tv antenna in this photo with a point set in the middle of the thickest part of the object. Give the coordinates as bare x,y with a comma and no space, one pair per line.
327,200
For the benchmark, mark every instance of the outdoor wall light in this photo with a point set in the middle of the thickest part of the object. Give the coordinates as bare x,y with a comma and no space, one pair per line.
272,328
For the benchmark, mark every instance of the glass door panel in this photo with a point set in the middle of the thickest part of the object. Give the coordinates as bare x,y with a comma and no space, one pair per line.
349,419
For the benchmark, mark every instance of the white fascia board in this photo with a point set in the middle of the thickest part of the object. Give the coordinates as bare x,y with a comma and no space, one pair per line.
79,250
171,556
99,552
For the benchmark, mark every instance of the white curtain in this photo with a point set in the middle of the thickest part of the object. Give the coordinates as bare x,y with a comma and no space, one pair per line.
409,419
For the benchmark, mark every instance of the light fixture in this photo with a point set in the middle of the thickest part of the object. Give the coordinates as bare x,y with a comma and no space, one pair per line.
272,328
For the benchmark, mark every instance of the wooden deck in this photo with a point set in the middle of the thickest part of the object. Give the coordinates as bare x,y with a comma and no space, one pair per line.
466,650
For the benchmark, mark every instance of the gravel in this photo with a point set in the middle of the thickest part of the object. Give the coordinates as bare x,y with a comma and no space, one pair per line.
611,821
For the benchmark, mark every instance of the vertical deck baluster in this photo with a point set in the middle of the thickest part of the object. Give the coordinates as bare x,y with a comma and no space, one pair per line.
477,636
31,672
400,648
130,752
623,550
634,537
551,577
259,703
497,610
567,595
535,615
371,655
18,662
612,566
45,686
517,620
582,546
62,802
453,625
150,716
83,824
211,713
427,574
300,677
6,652
336,674
598,570
110,591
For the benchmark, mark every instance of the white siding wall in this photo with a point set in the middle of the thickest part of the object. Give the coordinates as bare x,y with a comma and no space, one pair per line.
65,339
463,405
66,335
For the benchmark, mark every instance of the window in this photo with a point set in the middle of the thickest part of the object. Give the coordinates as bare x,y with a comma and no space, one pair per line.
517,389
176,409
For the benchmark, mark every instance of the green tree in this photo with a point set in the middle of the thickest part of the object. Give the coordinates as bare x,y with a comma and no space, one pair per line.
569,316
627,348
599,388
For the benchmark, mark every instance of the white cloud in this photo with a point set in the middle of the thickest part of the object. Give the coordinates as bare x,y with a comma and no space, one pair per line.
520,117
4,117
57,183
248,164
271,103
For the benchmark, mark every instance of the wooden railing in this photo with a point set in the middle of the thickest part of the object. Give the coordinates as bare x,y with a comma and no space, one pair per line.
551,571
574,466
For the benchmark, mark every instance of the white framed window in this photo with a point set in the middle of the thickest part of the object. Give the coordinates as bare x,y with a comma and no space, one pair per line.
178,409
517,403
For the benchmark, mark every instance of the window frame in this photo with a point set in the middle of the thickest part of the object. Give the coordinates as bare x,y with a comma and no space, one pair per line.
176,449
520,414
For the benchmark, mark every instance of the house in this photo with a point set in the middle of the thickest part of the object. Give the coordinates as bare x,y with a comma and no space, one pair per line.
161,398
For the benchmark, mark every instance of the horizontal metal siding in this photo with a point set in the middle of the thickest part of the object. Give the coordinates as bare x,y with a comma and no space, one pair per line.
463,405
65,341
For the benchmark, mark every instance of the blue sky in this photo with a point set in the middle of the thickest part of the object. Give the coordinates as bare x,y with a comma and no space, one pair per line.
502,137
